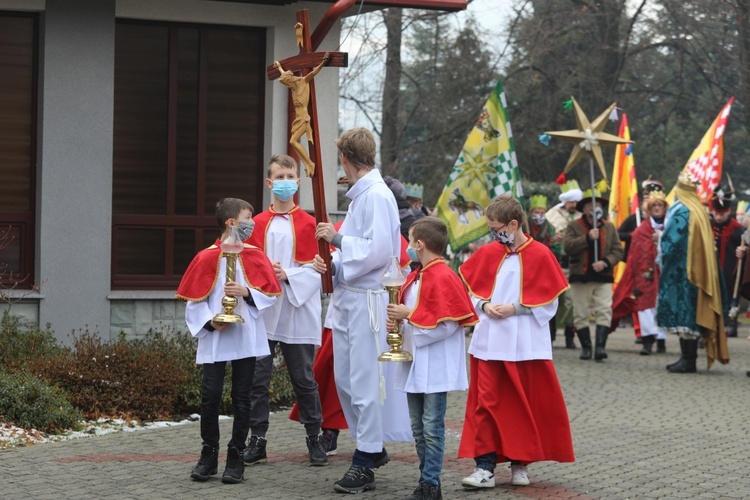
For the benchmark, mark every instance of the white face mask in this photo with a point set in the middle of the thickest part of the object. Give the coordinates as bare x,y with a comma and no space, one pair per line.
538,219
503,237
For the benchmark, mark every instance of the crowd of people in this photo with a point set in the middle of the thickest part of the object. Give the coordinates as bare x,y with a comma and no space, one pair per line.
548,268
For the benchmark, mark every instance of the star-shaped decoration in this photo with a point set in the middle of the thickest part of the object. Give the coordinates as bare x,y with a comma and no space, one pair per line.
476,167
589,138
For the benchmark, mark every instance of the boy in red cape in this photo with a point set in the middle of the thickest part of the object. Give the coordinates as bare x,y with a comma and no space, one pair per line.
286,234
218,342
435,307
515,410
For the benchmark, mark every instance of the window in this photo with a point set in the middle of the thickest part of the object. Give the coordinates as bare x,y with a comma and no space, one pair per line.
188,131
18,88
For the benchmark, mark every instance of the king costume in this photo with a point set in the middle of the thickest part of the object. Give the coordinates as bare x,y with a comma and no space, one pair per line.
515,409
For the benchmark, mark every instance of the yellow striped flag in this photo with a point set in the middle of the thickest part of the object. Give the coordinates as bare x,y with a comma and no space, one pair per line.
485,168
623,200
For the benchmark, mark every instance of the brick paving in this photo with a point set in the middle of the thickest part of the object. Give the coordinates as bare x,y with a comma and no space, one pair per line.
639,432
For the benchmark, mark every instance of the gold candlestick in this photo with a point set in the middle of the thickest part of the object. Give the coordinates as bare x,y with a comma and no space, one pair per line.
231,247
392,280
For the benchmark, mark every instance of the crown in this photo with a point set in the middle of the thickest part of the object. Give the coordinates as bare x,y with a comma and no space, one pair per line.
538,201
572,184
685,181
589,194
414,190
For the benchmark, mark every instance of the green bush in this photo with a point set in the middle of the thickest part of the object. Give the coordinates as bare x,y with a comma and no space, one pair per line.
140,378
20,345
30,403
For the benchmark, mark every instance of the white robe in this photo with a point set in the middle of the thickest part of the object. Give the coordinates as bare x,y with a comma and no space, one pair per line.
240,340
516,338
439,355
295,317
371,236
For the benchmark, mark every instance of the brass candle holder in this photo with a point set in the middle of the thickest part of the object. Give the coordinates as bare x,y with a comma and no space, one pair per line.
230,249
392,280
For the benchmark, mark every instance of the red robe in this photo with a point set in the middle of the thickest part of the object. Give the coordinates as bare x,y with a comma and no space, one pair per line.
542,279
333,415
441,297
201,275
303,228
635,292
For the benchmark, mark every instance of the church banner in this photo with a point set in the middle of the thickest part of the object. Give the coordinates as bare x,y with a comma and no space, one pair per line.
485,168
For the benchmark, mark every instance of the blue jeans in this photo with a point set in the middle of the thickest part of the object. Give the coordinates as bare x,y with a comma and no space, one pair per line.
213,384
427,413
487,461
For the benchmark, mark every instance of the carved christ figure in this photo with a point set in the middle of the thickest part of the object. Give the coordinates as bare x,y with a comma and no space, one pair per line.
300,87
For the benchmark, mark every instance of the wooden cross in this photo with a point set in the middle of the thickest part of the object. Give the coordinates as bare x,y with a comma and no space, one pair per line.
308,63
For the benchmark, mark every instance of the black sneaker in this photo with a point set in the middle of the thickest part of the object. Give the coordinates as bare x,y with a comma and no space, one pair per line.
317,453
208,464
418,493
382,458
356,479
255,453
235,470
328,440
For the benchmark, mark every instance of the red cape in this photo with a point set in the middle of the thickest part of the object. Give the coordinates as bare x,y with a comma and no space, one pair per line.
542,279
441,297
626,300
201,275
303,227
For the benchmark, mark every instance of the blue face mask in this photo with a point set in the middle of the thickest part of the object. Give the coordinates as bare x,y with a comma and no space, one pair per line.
412,253
284,189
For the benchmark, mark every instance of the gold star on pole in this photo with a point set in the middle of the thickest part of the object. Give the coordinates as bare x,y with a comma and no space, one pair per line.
589,138
476,167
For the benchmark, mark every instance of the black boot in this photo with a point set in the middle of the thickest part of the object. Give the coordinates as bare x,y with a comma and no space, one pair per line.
601,342
661,346
255,452
731,327
689,354
648,343
234,472
207,465
584,337
570,333
682,349
317,453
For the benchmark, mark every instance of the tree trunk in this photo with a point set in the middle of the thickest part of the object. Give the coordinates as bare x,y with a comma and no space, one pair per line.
743,22
389,138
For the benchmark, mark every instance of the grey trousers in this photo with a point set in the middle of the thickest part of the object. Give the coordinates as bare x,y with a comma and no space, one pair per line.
299,360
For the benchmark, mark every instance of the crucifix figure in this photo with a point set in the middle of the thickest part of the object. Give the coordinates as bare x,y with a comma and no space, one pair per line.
305,121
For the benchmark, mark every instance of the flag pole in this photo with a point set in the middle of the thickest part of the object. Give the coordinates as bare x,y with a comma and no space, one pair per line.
593,207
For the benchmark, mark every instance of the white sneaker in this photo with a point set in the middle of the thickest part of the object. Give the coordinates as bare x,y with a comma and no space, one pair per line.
519,475
480,478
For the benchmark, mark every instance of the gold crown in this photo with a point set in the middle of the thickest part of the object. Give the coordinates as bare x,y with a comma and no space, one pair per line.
655,197
537,201
684,180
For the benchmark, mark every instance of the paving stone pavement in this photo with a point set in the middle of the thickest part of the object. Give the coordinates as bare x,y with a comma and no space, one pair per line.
639,432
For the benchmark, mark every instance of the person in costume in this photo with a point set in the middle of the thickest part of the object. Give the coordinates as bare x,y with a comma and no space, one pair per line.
559,217
639,286
333,416
542,231
515,410
690,307
435,308
367,240
286,234
414,194
218,342
591,276
727,233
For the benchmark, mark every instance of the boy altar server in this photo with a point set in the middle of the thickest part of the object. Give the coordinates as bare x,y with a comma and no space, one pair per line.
219,343
515,410
287,235
367,240
436,307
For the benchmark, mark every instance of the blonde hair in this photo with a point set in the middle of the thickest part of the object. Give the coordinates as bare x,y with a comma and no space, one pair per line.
284,161
358,146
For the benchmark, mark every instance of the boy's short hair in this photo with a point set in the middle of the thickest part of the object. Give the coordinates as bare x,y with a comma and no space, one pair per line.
284,161
505,208
358,145
230,208
432,231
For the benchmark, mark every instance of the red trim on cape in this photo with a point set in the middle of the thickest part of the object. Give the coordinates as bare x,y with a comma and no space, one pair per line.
441,296
723,235
542,279
201,275
303,228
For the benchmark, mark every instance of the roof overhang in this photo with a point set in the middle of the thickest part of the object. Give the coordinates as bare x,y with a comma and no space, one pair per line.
446,5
